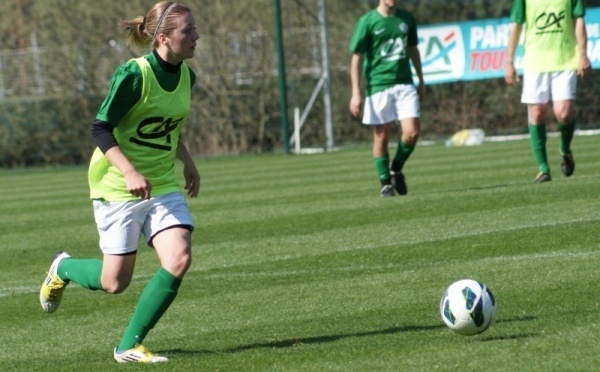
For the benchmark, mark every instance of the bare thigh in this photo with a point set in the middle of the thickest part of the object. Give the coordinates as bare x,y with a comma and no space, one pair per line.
174,249
562,110
537,113
117,271
381,137
411,129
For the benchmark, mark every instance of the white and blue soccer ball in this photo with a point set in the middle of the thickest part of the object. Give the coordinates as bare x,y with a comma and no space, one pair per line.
468,307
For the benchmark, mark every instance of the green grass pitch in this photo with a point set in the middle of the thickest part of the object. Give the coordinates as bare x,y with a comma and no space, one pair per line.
299,265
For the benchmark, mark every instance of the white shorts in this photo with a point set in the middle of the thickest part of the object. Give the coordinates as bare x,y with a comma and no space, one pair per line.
121,224
543,87
396,103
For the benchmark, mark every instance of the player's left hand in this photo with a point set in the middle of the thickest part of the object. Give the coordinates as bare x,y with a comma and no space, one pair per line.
585,67
421,91
192,180
510,74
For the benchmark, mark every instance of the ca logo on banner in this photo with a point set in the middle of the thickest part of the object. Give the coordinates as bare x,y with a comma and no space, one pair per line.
442,53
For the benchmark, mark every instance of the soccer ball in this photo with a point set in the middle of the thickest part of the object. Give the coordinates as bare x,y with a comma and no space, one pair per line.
468,307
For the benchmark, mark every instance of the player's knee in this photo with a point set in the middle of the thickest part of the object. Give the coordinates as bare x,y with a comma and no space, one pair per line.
184,264
537,114
562,110
115,286
380,139
563,116
411,137
179,264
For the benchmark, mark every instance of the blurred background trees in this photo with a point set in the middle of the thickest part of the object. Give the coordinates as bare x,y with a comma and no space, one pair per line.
57,58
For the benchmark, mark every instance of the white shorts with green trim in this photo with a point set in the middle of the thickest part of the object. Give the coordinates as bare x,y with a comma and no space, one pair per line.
542,87
396,103
121,224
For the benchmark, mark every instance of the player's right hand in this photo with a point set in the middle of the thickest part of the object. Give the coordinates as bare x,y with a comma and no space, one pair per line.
510,74
138,185
355,105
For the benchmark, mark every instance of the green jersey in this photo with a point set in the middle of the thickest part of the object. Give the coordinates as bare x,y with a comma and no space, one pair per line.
550,43
383,42
147,135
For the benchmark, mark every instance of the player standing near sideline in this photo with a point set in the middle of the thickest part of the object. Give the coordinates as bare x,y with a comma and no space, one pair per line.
386,37
132,179
555,52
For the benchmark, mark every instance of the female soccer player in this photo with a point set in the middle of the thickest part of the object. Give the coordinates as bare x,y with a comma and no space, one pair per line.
132,180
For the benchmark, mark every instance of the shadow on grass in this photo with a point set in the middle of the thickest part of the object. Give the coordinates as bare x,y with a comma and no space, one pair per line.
479,188
527,318
332,338
308,340
508,337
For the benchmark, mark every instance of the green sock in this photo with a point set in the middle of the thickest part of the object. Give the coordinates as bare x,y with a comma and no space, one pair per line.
154,301
538,145
382,165
566,136
402,155
86,273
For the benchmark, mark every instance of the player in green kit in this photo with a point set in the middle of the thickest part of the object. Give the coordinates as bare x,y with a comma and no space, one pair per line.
555,53
383,44
132,181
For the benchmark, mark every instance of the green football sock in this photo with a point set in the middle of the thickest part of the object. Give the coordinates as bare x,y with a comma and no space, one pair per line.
154,301
402,155
86,273
538,145
382,165
566,136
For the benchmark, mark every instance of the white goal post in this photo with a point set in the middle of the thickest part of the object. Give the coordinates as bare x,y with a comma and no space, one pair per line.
323,84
